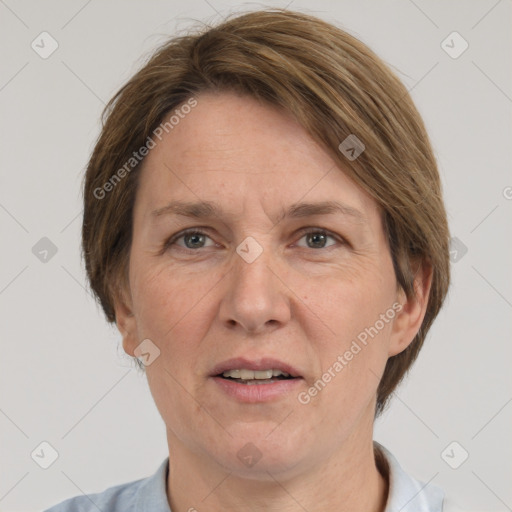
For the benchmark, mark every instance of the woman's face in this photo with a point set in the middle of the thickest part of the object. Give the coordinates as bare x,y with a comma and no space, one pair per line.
287,268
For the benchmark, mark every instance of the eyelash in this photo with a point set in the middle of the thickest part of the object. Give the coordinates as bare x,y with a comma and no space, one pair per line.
303,232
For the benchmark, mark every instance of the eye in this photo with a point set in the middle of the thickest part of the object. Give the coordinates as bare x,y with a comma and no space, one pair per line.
190,239
194,239
317,238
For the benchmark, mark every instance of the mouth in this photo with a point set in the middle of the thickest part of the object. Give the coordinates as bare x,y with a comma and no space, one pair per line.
251,377
257,380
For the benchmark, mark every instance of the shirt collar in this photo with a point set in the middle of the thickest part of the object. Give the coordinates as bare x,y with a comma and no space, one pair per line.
407,494
152,495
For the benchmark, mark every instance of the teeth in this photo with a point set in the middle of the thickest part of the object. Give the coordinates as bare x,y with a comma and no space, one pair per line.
254,374
276,373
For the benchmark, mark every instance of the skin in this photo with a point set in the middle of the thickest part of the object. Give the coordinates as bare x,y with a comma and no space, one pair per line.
302,301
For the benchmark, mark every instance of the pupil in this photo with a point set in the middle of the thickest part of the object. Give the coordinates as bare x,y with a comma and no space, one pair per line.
318,239
195,238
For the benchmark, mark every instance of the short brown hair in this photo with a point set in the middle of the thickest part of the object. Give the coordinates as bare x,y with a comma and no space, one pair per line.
335,86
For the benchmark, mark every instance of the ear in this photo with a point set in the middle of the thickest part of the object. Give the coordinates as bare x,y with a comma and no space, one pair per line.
125,321
408,321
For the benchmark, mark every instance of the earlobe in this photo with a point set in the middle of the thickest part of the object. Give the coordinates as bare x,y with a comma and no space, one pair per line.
408,321
126,323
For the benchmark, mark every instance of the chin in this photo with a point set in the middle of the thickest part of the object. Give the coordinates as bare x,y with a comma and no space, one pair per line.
259,456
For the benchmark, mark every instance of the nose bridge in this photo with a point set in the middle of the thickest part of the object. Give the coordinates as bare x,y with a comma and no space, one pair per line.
251,268
255,298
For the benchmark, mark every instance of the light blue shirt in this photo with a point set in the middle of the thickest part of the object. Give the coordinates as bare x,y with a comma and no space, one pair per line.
149,494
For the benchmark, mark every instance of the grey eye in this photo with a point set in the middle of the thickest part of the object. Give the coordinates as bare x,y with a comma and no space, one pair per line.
194,240
317,240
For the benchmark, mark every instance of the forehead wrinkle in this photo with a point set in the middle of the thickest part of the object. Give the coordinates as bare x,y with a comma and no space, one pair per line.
207,209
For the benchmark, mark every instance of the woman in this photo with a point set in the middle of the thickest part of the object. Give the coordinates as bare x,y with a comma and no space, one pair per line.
264,223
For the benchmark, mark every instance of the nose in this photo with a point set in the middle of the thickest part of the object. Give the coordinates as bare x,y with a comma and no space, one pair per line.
256,299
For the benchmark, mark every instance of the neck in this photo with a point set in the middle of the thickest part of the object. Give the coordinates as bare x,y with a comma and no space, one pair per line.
347,481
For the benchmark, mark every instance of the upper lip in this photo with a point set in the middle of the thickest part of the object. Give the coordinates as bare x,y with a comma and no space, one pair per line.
264,363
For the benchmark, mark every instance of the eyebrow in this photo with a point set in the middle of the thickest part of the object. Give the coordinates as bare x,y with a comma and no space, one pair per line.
206,209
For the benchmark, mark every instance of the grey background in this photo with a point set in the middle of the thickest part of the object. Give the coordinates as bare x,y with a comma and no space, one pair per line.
63,376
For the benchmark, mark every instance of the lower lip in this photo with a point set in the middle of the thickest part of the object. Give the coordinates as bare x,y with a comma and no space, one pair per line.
253,393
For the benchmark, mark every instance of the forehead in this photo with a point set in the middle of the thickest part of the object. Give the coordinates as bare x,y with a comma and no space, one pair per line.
234,150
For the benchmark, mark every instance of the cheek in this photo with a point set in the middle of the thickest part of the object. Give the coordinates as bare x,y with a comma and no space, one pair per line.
173,310
348,301
352,334
168,301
